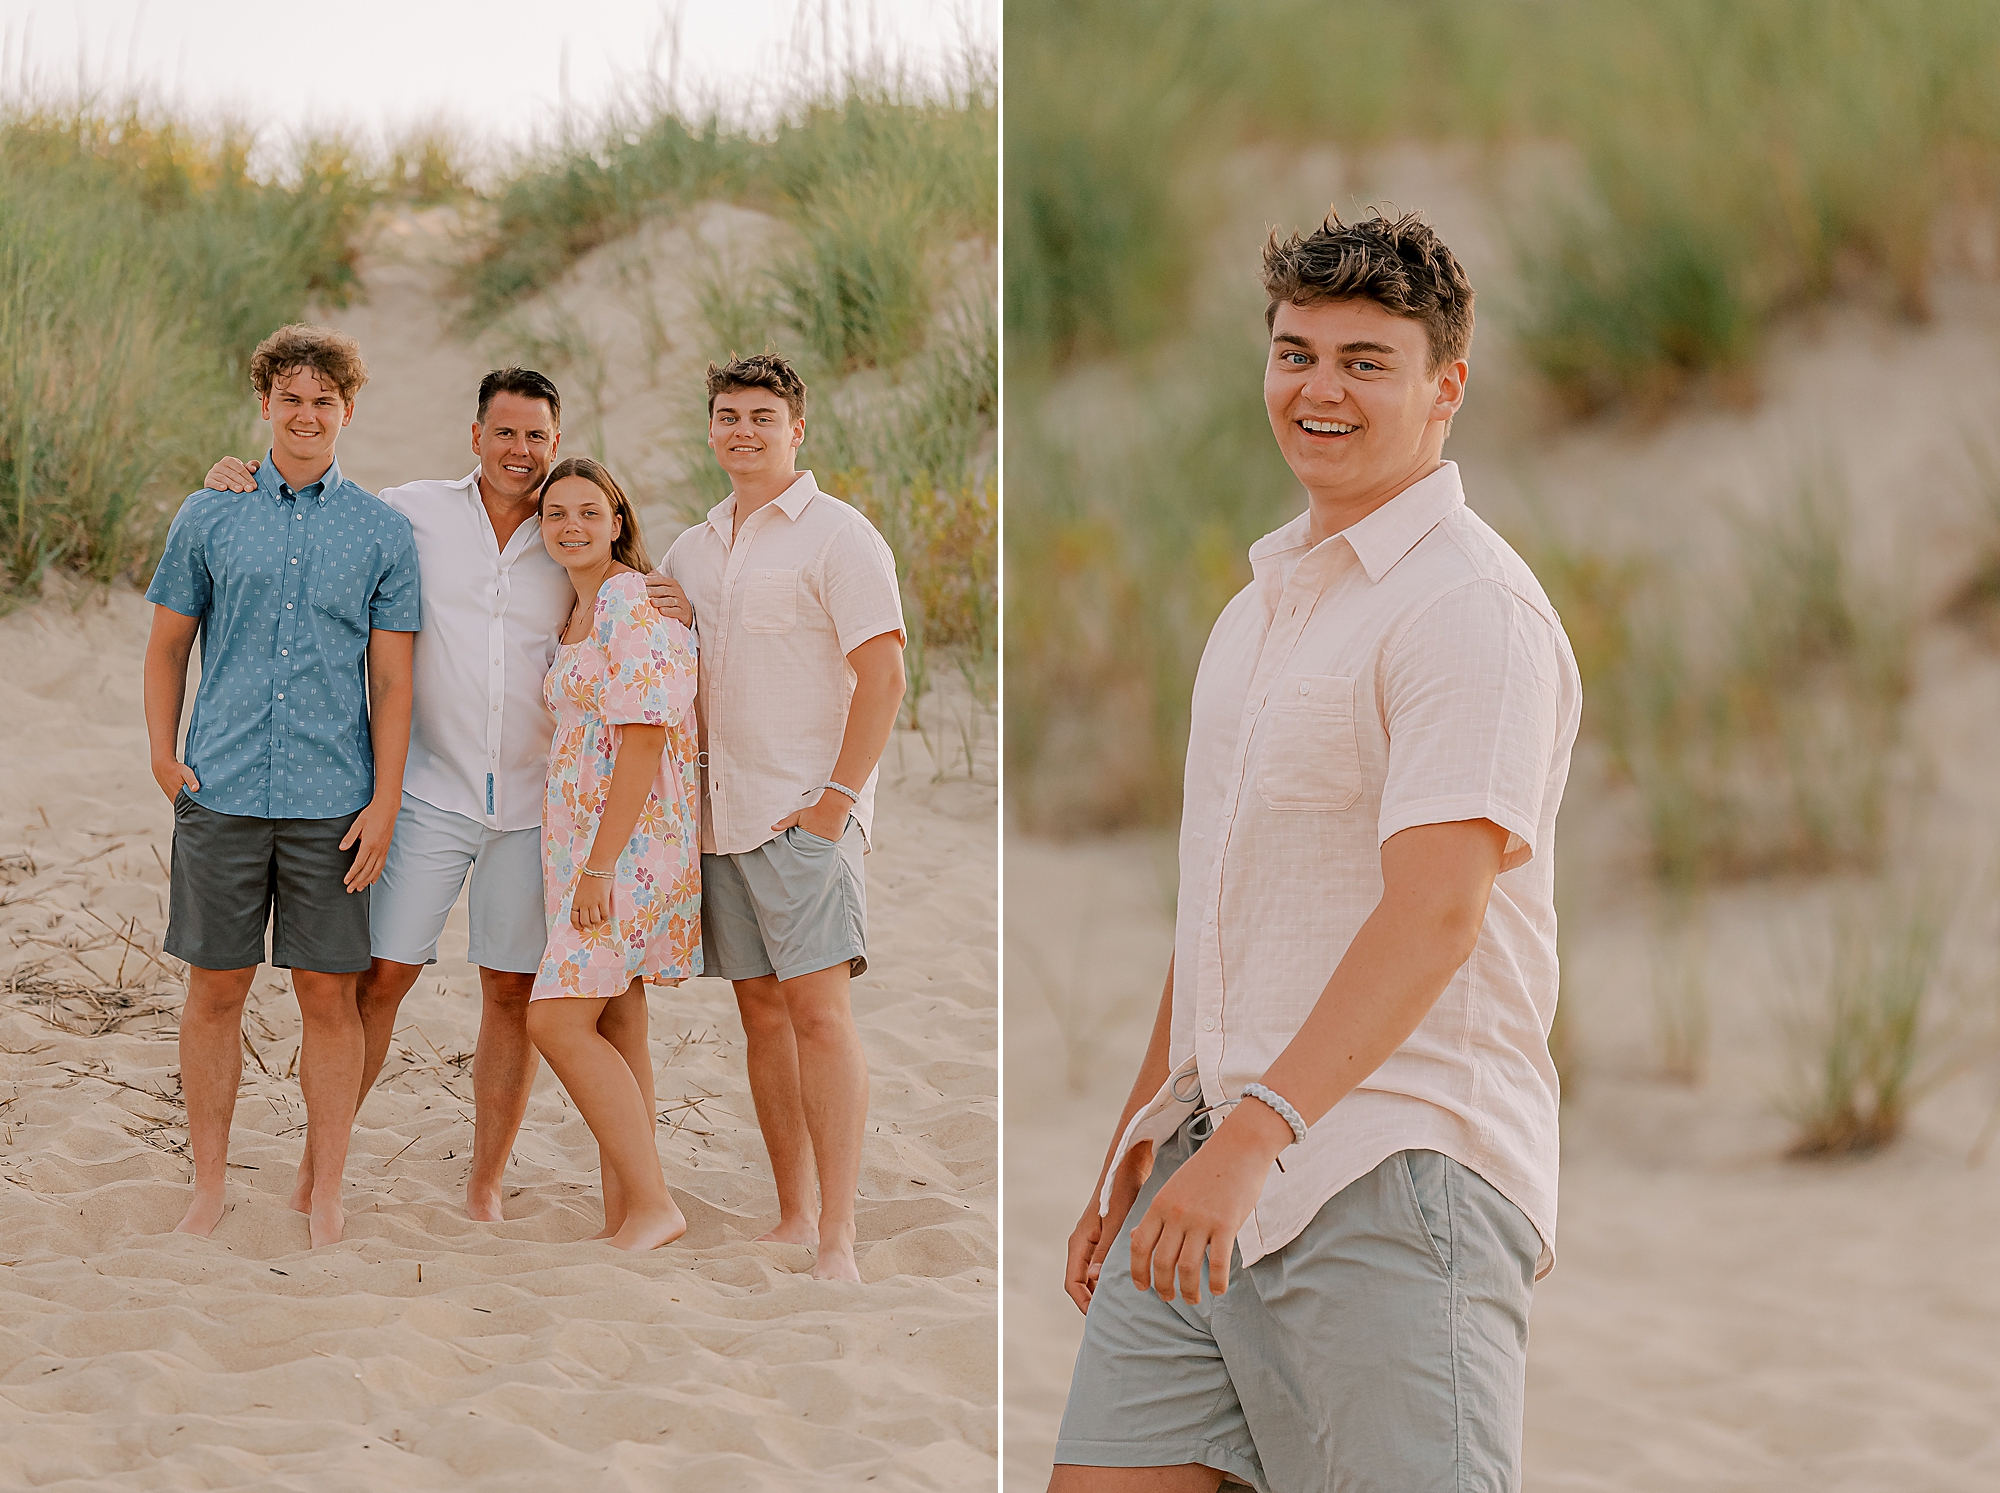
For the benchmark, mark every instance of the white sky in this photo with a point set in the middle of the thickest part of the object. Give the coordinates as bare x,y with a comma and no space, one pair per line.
504,67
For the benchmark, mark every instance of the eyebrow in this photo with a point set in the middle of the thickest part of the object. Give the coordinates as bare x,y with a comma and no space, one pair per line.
1292,339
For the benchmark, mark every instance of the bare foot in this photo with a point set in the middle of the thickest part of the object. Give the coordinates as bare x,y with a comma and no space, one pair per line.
482,1204
649,1229
835,1260
327,1222
203,1213
302,1189
793,1231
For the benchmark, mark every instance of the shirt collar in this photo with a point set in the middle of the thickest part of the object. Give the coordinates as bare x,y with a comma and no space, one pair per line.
792,500
270,483
1380,540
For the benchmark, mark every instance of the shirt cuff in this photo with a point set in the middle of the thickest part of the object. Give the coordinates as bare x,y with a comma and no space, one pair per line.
1458,808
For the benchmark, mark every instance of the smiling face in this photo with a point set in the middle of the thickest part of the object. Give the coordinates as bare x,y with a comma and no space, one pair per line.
1358,414
516,444
753,434
306,414
579,523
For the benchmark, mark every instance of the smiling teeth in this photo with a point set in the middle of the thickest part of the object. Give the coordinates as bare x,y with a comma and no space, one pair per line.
1329,427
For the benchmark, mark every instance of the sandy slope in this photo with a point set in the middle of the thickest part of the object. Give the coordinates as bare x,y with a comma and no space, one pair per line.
523,1357
1719,1318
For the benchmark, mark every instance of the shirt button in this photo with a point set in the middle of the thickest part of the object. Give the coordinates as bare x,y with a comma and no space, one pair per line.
1208,1025
1305,689
295,559
281,695
288,606
300,517
284,653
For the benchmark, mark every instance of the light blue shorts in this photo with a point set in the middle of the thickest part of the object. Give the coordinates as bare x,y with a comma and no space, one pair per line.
428,861
794,905
1384,1350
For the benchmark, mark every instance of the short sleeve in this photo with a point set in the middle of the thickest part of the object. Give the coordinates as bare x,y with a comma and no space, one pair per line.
650,661
397,605
182,582
858,586
1472,700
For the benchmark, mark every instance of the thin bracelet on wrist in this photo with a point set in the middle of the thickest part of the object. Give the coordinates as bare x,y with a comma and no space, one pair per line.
1277,1102
600,875
840,788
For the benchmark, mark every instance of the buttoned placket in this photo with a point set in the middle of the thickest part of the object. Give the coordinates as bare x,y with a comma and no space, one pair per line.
496,646
1309,583
291,589
715,652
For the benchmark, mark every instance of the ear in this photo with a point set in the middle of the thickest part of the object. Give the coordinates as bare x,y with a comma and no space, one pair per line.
475,437
264,406
347,414
798,433
1450,390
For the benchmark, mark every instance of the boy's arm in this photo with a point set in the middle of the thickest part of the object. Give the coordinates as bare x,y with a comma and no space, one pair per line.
389,672
871,715
1090,1240
167,650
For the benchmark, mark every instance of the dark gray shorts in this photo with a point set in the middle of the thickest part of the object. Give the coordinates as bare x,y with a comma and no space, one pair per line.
1384,1350
233,873
794,905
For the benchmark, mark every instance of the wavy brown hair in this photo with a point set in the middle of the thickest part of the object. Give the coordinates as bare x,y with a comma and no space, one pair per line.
629,548
1398,263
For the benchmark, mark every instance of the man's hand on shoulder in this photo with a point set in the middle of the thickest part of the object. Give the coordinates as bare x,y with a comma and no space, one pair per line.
231,475
666,594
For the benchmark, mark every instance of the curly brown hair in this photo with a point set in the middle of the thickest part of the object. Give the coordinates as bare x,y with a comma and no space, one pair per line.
629,548
759,371
334,356
1398,263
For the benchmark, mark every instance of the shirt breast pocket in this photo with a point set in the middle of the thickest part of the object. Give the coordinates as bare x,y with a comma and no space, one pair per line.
340,589
771,600
1309,757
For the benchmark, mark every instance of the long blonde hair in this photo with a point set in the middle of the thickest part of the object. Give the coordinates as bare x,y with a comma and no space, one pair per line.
629,548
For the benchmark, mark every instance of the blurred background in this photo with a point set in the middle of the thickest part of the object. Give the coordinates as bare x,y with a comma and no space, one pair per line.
1736,398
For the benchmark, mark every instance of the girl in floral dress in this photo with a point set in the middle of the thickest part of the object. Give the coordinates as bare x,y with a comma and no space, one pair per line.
621,860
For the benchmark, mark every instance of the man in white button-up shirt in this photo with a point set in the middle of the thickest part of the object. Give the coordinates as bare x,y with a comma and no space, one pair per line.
1309,1261
493,605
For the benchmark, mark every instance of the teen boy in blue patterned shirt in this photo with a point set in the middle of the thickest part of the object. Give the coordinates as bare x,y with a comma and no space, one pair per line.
305,595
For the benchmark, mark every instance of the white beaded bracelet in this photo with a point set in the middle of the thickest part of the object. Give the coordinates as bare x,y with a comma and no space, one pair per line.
1281,1105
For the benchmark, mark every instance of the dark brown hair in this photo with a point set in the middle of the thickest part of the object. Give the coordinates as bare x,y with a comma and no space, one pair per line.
1398,263
629,548
334,356
522,381
759,371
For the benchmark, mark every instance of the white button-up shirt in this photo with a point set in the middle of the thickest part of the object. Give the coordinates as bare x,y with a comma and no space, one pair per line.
479,732
1407,671
777,609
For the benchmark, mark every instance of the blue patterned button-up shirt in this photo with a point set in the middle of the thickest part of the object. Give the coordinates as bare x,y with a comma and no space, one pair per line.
287,586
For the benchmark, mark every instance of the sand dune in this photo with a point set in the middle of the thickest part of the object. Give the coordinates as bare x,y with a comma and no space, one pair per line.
426,1351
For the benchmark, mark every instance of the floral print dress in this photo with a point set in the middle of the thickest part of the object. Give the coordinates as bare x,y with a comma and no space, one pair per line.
635,668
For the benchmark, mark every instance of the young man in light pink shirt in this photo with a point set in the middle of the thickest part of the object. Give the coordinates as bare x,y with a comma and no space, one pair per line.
1309,1261
793,595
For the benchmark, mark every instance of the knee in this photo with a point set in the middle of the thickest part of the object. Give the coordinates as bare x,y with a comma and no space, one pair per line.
815,1023
761,1003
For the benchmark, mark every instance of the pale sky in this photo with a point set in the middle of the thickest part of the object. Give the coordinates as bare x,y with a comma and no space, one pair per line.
504,67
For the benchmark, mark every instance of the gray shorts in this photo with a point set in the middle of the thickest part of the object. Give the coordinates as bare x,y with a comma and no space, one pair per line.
796,904
233,873
1384,1350
426,869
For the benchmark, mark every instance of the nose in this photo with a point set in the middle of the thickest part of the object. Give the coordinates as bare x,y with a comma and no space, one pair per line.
1324,384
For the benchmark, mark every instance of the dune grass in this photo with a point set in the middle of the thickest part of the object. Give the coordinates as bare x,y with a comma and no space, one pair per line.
1871,1040
140,262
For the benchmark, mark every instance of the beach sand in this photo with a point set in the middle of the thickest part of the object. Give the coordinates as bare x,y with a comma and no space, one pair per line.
426,1351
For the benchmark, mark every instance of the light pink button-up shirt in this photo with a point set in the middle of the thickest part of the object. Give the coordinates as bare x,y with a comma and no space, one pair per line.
777,610
1407,671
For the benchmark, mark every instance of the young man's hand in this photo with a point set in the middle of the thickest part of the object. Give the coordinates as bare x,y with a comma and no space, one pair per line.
826,818
666,595
371,831
1202,1206
172,776
592,902
231,475
1090,1241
